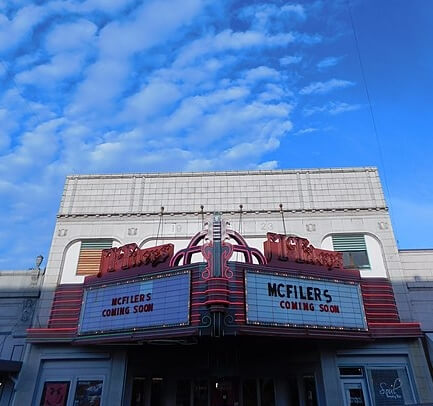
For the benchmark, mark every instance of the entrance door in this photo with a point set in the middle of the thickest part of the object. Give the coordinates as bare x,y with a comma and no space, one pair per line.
225,392
355,393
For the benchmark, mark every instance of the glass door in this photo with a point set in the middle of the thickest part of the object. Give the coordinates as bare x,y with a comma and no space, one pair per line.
225,392
355,393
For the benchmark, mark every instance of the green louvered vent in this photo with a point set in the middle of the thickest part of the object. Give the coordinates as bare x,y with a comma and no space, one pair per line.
90,256
96,244
349,242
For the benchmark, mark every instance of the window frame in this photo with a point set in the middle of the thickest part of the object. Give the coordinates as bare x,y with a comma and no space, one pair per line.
350,251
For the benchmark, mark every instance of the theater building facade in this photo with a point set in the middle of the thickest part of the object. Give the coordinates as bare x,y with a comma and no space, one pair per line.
224,289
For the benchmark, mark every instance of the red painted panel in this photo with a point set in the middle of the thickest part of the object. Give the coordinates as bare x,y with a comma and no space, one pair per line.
66,307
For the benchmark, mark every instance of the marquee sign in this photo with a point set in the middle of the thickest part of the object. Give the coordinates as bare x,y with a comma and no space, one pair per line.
130,256
280,247
276,299
159,301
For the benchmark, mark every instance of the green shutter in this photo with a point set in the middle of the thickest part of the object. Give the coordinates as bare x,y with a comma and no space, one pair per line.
349,242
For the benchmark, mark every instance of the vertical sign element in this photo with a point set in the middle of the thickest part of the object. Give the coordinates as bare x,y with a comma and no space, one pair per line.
276,299
159,301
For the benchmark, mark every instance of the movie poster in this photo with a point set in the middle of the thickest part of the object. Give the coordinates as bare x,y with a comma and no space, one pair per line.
55,394
88,393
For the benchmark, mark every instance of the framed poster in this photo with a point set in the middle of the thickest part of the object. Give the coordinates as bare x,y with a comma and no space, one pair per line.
55,393
88,393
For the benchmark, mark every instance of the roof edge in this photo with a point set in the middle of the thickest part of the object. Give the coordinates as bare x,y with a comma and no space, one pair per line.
226,173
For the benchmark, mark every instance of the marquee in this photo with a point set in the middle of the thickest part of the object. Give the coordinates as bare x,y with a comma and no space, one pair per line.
273,299
148,294
157,301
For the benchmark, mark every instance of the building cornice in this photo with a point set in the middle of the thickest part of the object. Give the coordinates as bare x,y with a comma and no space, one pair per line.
225,212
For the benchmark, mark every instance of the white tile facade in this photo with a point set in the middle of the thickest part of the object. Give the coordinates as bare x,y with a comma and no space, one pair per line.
315,189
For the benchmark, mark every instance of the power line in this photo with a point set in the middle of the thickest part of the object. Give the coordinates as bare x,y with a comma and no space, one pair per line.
364,80
160,225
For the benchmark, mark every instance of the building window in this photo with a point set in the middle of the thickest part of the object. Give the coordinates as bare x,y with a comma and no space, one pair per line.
390,386
90,255
350,372
354,250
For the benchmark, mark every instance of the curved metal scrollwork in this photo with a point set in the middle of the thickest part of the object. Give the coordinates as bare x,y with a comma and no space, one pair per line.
206,321
229,320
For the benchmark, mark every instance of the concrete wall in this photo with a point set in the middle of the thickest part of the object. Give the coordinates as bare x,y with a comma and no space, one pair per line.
19,293
393,354
418,276
68,363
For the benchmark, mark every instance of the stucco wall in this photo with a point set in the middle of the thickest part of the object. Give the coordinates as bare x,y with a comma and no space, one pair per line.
418,275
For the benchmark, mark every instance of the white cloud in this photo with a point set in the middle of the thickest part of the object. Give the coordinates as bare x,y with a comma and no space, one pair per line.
332,108
337,108
71,36
151,100
105,6
7,126
104,81
308,39
60,67
20,114
328,62
228,40
308,130
35,148
251,149
13,31
274,92
243,154
267,165
194,111
297,9
289,60
238,121
325,87
264,16
151,24
262,73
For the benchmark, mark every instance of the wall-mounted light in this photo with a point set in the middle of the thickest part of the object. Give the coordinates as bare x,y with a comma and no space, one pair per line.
38,261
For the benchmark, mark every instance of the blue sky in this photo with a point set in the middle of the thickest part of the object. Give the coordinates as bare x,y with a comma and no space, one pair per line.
104,86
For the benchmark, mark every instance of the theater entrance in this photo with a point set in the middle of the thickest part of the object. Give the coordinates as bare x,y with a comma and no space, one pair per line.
223,391
235,374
